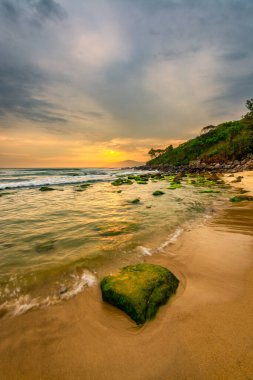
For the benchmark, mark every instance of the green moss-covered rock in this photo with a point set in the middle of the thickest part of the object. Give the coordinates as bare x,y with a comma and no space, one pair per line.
4,193
136,200
209,191
174,186
158,192
122,181
46,188
85,185
139,290
240,198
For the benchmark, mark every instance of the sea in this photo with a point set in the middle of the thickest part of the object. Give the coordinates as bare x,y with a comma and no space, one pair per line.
55,244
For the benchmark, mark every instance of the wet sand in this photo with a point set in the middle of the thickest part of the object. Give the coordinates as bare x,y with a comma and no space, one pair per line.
205,332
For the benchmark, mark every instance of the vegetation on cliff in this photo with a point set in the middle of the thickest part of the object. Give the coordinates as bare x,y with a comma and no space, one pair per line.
228,141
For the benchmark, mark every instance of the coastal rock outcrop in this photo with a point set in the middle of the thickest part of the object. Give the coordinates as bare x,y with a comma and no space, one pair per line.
139,290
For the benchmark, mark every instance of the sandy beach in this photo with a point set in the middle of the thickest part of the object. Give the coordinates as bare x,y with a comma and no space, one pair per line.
205,332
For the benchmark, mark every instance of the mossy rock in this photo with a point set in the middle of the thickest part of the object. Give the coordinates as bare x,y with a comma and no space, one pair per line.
174,186
122,181
158,192
209,191
85,185
4,193
44,247
46,188
136,200
243,191
240,198
139,290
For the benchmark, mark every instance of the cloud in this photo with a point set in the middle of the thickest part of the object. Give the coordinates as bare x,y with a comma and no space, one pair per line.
32,10
21,95
49,9
139,69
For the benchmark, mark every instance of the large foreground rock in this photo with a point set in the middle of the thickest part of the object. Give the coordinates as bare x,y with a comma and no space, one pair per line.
139,290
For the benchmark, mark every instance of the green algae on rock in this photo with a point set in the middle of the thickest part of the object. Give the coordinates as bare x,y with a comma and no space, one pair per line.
139,290
240,198
46,188
174,186
122,181
136,200
209,191
158,192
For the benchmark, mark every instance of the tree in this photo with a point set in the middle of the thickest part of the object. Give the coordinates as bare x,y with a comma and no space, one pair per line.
155,152
207,128
249,105
152,152
169,149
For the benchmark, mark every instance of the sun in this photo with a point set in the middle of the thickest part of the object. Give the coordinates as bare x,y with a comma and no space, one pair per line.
111,155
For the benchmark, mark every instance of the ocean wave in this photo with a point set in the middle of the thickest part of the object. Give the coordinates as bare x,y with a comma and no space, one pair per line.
54,181
23,303
145,251
34,178
172,238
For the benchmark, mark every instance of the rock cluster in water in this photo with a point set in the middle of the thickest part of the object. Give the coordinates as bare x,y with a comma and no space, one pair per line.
199,166
139,290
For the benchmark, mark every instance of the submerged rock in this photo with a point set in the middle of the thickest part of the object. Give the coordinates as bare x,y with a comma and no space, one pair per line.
136,200
174,186
46,188
240,198
122,181
158,192
4,193
139,290
209,191
44,247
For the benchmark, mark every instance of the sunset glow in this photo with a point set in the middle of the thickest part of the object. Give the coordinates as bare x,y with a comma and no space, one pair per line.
84,84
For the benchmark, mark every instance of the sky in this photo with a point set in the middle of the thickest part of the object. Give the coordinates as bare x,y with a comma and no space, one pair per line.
90,83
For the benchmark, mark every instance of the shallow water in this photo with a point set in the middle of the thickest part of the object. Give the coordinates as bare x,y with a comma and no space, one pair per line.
54,244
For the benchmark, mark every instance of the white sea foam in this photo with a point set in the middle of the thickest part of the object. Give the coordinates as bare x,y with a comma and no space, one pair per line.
23,303
172,239
28,179
87,279
145,251
54,180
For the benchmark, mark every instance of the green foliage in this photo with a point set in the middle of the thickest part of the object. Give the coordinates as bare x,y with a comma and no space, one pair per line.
249,105
228,141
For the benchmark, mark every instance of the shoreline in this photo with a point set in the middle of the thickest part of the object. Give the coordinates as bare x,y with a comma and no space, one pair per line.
204,332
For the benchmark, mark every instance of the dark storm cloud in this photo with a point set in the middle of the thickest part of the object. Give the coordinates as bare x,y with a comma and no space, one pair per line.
156,67
49,9
32,9
20,88
218,32
22,81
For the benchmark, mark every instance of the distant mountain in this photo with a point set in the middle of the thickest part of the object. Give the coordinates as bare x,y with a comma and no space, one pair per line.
127,164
